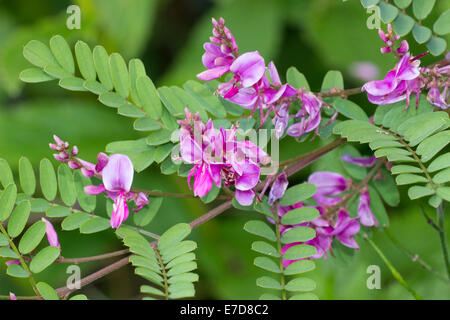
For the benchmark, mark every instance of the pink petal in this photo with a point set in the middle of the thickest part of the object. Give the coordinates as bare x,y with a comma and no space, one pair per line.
118,173
213,73
245,198
94,190
250,67
52,236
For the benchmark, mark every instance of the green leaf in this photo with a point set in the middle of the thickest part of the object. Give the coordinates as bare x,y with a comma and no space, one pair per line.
38,54
298,234
435,201
137,69
58,212
146,214
267,264
403,24
387,189
34,75
149,97
101,62
333,79
146,124
57,72
172,103
62,53
78,297
85,60
298,193
268,283
111,99
421,34
205,98
94,87
159,137
6,176
304,296
162,152
19,218
437,45
39,205
173,235
441,162
442,177
7,201
47,292
181,257
429,147
72,83
377,207
74,220
269,296
211,195
189,101
3,240
409,178
422,8
444,193
119,75
44,258
32,237
6,252
299,251
349,109
265,248
17,271
417,192
300,266
48,180
403,4
93,225
131,111
86,202
152,290
300,215
300,285
297,79
405,169
27,177
182,268
261,229
442,24
66,185
369,3
388,12
183,277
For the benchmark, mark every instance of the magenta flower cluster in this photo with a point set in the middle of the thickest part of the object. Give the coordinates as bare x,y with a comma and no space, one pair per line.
251,88
330,186
116,172
218,157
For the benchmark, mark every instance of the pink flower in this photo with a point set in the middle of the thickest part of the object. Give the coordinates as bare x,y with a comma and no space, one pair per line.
218,156
278,188
397,85
52,236
365,214
117,175
329,184
435,97
359,161
345,230
12,296
10,262
309,114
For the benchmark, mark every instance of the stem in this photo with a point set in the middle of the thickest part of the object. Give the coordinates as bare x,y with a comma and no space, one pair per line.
442,236
22,261
346,92
163,269
415,257
279,248
93,258
394,271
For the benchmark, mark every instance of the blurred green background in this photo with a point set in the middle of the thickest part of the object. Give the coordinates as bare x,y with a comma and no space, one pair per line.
315,36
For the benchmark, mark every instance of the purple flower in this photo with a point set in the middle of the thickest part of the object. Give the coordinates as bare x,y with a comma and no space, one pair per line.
52,236
329,184
12,296
309,114
10,262
365,214
345,229
359,161
435,97
278,188
397,85
117,176
218,156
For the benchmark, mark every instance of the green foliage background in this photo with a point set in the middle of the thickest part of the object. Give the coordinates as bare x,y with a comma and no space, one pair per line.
315,36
